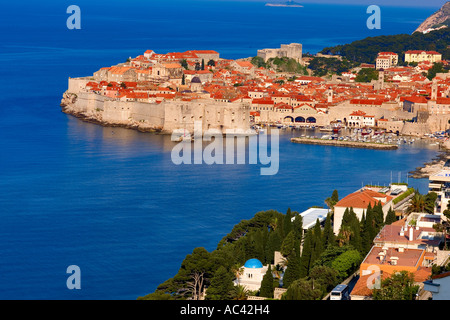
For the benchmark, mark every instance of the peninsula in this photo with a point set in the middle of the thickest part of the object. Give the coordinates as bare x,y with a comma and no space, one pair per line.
404,93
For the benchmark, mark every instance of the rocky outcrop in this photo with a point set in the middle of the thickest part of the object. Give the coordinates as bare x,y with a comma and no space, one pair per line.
429,168
437,20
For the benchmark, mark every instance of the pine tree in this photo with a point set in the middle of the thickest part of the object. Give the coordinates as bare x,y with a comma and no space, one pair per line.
266,289
221,285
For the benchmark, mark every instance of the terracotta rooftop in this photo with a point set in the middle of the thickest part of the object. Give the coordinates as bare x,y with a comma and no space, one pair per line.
391,233
362,199
407,258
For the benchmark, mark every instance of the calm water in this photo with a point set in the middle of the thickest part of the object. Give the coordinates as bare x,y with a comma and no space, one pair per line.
110,200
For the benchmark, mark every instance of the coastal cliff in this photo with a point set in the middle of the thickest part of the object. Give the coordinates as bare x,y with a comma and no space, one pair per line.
439,19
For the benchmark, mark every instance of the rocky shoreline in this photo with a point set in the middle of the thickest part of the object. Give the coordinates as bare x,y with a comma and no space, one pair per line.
94,120
429,168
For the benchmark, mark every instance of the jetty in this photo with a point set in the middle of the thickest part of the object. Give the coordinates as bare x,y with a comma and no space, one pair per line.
348,144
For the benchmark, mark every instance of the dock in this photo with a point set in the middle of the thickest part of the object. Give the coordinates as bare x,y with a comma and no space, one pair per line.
348,144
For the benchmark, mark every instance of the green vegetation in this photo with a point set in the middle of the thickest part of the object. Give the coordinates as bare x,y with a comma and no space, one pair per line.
280,65
366,50
436,68
322,66
324,261
404,195
422,203
184,64
366,75
400,286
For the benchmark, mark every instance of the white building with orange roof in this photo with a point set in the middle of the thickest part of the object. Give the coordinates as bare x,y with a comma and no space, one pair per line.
359,201
359,119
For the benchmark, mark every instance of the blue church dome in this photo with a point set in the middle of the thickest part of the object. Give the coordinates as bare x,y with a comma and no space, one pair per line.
253,264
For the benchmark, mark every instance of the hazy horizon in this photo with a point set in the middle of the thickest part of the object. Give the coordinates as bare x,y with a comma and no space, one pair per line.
398,3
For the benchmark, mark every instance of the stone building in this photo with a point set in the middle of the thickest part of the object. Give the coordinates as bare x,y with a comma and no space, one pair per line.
293,50
419,56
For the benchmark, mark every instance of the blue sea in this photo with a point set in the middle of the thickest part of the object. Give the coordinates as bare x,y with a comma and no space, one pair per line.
110,200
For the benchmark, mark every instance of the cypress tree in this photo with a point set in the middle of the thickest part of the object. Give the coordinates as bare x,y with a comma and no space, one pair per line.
273,244
203,64
366,235
305,261
288,244
292,272
335,196
287,223
297,226
379,216
355,238
390,217
328,234
318,242
266,289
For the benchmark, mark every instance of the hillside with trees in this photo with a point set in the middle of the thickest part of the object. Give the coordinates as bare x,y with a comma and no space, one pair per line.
308,274
366,50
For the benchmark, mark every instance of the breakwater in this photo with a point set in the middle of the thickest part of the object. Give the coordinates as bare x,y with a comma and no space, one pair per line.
348,144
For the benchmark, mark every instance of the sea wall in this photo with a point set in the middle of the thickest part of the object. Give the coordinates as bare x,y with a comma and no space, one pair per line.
164,117
348,144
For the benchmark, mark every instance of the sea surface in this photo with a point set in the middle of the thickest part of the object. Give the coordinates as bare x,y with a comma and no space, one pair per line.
110,200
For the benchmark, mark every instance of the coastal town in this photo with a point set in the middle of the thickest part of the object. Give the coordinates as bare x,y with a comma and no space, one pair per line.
363,245
165,92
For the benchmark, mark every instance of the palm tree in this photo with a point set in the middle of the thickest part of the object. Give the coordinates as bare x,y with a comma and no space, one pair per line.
240,292
417,203
344,235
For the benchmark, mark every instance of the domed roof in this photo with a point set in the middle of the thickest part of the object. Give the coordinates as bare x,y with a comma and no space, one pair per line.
253,264
196,80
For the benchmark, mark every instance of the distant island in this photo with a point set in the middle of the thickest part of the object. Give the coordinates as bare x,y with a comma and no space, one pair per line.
285,4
